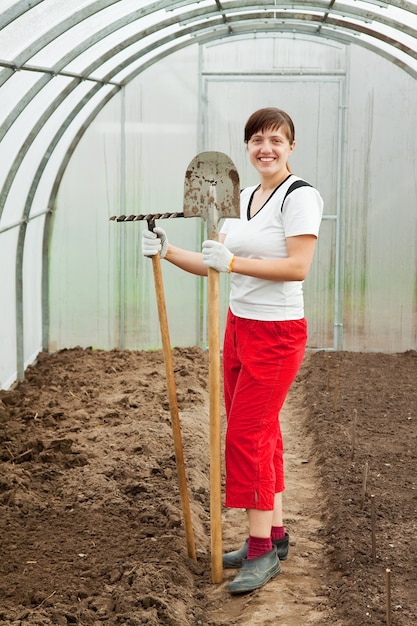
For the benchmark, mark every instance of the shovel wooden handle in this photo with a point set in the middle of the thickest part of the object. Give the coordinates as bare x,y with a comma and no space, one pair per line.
215,433
212,191
173,404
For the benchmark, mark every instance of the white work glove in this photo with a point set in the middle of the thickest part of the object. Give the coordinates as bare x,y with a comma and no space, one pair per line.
217,256
155,242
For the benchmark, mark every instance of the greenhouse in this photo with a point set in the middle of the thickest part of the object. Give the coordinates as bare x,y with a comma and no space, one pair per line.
105,103
148,415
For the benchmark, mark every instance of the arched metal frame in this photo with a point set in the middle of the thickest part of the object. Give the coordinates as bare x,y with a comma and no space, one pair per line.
126,44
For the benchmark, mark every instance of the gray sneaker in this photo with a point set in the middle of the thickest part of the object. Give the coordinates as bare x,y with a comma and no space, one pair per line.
234,559
255,573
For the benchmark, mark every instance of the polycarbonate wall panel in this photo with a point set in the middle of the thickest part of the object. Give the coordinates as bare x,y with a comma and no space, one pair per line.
21,153
107,18
380,269
32,293
8,244
83,291
364,275
132,160
181,290
314,102
161,140
15,89
275,56
320,293
321,101
33,160
343,114
352,96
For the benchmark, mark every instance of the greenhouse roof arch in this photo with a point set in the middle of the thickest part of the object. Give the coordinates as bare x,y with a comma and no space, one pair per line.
61,62
105,44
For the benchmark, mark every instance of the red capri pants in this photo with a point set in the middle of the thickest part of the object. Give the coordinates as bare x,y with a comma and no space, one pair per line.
260,362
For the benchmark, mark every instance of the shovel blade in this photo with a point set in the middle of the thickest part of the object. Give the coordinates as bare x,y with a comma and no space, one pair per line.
211,189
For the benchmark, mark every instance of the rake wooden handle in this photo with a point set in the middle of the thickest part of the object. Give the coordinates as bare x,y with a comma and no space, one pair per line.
173,404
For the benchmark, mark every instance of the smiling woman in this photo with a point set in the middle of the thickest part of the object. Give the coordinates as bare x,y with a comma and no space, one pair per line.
268,253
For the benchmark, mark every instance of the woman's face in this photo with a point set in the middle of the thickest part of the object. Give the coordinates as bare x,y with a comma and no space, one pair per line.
269,151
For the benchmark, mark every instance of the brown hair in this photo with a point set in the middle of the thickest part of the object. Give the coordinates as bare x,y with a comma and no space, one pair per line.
269,118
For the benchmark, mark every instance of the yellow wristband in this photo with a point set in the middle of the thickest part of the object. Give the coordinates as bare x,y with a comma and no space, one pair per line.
231,263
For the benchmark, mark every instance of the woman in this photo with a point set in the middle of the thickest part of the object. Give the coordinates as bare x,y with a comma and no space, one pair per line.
268,252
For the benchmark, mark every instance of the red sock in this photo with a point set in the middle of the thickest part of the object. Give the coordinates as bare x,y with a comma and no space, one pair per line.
257,546
278,532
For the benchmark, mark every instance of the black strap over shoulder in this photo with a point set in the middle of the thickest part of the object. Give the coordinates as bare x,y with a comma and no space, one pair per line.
295,185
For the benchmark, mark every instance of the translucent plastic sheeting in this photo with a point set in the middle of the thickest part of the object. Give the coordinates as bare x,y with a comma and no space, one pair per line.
341,113
30,189
8,360
379,271
322,308
158,141
32,294
125,36
27,152
315,100
61,62
81,271
24,153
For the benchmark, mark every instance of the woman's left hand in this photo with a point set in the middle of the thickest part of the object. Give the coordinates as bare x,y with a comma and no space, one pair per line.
217,256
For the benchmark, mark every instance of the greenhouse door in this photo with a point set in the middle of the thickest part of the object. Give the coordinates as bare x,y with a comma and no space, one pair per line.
316,104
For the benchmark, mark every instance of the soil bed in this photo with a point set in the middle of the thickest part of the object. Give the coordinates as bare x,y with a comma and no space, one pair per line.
90,517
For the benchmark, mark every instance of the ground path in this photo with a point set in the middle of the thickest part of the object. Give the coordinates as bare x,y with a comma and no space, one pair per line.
297,597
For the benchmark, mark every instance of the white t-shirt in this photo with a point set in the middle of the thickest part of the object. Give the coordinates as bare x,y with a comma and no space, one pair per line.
263,237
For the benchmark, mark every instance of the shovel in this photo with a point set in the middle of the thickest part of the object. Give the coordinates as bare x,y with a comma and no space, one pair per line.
211,191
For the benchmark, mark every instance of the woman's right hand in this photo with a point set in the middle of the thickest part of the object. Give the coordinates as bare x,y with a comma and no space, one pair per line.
155,242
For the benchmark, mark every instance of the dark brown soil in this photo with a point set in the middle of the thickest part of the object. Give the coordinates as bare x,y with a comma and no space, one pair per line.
361,411
91,525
